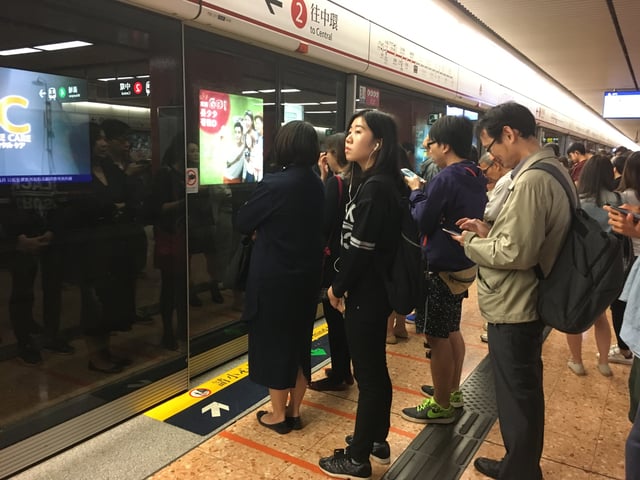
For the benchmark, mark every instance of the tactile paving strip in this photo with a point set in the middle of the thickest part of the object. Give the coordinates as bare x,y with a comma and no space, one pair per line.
442,452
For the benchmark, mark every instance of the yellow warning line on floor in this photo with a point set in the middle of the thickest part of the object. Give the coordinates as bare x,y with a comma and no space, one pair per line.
177,404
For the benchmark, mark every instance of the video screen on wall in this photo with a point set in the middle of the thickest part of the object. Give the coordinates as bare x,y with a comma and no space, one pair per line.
231,138
41,137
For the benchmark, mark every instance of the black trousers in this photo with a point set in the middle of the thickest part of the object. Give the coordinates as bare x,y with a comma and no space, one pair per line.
366,326
617,315
632,451
340,357
515,353
24,268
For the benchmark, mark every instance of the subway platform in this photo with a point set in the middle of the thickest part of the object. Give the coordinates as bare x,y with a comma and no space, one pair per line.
586,425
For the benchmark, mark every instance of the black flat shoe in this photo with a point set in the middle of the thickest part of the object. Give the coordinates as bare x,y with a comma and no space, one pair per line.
328,384
282,428
487,466
114,368
294,422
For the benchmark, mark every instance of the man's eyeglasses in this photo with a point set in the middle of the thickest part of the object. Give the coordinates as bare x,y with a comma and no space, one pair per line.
484,170
430,143
491,145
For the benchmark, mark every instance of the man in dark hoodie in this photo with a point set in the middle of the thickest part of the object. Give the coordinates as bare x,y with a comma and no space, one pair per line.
459,190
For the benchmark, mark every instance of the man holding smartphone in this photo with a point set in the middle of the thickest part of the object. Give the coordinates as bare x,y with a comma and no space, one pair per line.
528,232
459,190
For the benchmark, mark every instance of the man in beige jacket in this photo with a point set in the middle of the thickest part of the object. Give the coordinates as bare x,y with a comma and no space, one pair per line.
528,232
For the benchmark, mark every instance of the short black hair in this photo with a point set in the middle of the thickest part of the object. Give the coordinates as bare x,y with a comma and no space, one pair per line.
509,114
619,160
113,128
577,147
296,143
457,132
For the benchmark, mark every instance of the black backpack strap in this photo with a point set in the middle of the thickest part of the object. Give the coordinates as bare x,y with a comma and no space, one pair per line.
574,200
572,193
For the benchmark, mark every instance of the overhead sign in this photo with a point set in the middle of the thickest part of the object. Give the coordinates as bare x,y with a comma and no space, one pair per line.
129,88
319,22
621,104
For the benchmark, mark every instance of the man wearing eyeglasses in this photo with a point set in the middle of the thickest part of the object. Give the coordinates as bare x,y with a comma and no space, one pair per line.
501,178
429,168
528,232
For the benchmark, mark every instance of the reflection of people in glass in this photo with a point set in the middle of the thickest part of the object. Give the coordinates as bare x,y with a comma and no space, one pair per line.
167,205
201,231
235,160
101,217
285,214
32,223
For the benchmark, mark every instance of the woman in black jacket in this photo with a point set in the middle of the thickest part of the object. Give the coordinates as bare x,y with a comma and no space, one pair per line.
370,235
284,214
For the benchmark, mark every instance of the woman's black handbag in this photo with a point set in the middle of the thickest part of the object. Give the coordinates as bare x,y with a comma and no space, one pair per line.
235,276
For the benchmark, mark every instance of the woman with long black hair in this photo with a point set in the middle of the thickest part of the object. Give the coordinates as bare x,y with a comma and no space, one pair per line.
370,236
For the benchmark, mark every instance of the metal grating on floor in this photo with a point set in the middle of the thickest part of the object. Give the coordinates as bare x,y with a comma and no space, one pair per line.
443,452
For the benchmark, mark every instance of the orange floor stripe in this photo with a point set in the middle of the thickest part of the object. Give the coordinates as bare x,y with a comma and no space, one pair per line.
412,391
409,357
319,406
270,451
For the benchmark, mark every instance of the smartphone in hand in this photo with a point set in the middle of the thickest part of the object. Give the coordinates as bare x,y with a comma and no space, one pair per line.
408,173
624,211
452,232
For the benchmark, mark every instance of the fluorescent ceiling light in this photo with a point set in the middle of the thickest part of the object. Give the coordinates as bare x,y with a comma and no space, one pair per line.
248,92
334,102
124,78
62,45
18,51
269,90
106,79
93,106
319,111
142,76
290,90
303,103
268,104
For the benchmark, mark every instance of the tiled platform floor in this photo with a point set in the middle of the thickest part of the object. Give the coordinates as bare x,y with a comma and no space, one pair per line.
586,421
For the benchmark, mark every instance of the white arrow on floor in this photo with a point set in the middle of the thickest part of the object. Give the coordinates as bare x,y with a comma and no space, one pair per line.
214,408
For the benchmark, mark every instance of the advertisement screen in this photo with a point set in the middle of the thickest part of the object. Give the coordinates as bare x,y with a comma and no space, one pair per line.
231,138
41,138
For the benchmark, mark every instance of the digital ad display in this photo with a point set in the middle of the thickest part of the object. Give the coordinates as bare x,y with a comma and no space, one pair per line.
231,138
39,139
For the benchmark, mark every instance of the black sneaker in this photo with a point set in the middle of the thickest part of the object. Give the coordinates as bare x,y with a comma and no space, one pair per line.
30,356
380,453
340,465
59,346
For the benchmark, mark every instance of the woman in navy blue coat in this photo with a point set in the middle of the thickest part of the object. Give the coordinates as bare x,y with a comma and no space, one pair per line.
286,214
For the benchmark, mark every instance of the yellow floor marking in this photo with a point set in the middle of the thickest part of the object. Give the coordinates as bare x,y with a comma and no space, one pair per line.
183,401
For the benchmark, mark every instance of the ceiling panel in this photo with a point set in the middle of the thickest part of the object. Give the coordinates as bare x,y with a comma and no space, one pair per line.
573,41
